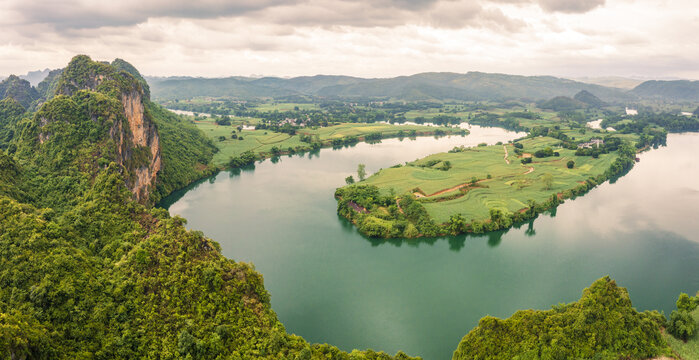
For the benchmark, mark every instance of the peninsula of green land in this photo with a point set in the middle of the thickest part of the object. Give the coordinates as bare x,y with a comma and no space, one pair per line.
243,141
487,188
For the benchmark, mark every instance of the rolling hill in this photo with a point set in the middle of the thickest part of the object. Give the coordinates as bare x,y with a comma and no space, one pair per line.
473,86
678,90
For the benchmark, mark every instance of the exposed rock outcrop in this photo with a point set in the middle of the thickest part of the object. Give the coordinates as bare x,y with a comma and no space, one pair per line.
140,135
133,131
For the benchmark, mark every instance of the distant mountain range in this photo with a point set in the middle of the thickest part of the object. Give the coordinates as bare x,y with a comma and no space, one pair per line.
677,90
472,86
611,81
35,77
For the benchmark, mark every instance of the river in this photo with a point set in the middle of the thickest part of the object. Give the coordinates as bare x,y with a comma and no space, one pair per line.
330,284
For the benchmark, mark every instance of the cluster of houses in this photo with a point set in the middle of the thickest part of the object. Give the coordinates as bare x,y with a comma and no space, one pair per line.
590,144
293,122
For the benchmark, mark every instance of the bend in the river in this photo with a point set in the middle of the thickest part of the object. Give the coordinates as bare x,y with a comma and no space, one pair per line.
329,284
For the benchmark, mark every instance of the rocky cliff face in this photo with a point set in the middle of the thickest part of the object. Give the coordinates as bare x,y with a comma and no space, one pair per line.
133,131
138,135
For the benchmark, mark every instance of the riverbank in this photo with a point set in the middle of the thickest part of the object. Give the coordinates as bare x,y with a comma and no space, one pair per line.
266,143
239,144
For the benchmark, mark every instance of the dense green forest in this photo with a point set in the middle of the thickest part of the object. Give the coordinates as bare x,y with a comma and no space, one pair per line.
601,325
19,90
676,90
88,272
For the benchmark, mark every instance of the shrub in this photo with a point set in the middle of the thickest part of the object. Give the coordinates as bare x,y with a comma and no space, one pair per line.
682,325
544,153
686,303
243,159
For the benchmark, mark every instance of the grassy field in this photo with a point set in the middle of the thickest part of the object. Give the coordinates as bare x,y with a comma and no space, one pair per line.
262,141
499,185
686,350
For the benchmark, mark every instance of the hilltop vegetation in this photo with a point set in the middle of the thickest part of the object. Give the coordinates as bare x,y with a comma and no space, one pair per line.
589,98
426,86
18,89
678,90
187,153
601,325
562,103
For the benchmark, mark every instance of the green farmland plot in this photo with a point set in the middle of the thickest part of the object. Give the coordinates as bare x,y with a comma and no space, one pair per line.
262,142
499,184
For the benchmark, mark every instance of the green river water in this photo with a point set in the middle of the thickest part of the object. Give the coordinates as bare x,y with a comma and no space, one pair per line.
330,284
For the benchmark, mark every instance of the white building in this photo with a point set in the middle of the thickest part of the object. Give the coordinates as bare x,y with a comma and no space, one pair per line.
631,112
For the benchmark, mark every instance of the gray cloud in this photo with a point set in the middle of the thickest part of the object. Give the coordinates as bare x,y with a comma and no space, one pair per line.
68,15
570,6
93,14
376,38
563,6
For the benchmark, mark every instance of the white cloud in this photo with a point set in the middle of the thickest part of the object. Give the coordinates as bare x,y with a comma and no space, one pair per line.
364,38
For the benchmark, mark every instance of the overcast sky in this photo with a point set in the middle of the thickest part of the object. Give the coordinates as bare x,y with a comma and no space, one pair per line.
368,38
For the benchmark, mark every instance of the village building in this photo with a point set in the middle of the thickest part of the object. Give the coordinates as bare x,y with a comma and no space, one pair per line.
590,144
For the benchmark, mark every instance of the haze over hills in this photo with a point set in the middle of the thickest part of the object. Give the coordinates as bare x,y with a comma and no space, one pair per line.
429,86
35,77
474,86
611,81
678,90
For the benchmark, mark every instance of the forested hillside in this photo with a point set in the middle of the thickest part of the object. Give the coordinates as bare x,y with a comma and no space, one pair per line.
425,86
89,270
601,325
678,90
18,89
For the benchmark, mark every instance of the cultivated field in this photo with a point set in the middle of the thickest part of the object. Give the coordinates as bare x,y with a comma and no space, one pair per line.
262,141
481,179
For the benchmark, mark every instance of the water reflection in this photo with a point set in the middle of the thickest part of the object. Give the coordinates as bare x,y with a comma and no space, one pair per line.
331,285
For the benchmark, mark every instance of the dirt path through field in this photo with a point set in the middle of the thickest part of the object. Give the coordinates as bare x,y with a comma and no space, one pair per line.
399,208
531,170
440,192
457,187
506,159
